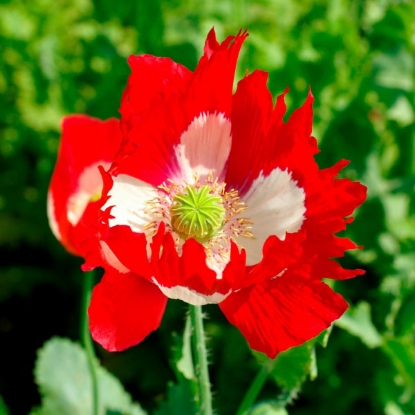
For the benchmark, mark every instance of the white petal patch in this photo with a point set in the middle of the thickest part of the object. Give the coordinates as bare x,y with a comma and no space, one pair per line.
217,257
129,197
204,147
77,204
51,216
275,205
112,259
189,296
89,186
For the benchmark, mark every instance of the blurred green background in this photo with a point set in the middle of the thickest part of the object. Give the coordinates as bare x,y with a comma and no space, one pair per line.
62,57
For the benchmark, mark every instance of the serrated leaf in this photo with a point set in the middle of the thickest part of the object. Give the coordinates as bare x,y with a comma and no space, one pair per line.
357,321
64,381
292,366
268,408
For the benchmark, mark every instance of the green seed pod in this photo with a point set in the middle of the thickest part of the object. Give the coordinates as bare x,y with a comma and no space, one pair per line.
197,214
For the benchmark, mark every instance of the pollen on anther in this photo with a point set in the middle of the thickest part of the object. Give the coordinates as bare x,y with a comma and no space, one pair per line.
217,248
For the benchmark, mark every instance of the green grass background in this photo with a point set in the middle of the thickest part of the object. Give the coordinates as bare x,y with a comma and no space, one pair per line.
62,57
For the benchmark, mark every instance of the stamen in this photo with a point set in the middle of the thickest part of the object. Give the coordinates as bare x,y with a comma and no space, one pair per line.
206,212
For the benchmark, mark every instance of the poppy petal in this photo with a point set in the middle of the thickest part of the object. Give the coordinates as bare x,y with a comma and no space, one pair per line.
124,309
86,143
282,313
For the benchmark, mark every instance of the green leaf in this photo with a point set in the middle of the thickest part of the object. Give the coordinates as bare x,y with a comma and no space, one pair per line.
268,408
405,319
184,363
357,321
323,338
62,373
402,353
292,366
180,396
179,400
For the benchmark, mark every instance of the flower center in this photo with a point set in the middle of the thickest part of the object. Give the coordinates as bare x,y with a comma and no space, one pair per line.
197,213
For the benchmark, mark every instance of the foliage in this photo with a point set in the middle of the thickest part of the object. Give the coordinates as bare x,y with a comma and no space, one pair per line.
65,57
64,381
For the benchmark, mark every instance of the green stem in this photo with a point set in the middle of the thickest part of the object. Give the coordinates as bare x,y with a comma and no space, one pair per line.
205,396
88,283
254,390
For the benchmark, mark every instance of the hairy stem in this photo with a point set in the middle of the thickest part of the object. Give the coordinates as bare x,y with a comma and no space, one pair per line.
200,357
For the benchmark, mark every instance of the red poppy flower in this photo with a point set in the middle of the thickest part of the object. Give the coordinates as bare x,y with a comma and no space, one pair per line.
214,199
76,184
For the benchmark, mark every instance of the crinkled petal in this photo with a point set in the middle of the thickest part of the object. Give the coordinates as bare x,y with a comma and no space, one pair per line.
331,246
251,114
327,268
261,139
210,89
211,44
151,82
278,256
178,122
186,277
283,312
290,145
332,199
124,309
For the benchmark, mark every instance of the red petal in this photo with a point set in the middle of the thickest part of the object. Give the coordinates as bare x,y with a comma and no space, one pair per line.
211,44
251,112
291,145
169,269
158,131
151,82
85,142
332,201
189,270
125,308
277,257
210,89
273,144
269,142
326,268
283,313
130,248
329,246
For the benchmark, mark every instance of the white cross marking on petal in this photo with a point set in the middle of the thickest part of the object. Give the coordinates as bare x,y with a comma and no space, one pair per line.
204,148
